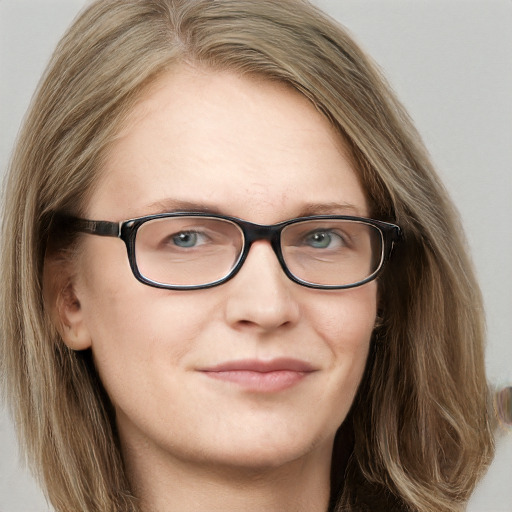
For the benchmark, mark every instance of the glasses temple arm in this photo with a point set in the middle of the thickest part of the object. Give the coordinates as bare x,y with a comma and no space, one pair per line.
95,227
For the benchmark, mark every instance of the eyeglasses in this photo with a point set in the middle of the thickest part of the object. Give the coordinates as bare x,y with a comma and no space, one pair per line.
187,251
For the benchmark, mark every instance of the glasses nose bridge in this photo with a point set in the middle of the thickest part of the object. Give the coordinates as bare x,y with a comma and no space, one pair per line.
256,232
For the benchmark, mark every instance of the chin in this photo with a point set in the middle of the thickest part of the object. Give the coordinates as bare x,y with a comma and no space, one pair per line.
268,450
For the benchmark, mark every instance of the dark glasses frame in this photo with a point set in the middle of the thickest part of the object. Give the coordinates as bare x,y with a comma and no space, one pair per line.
127,232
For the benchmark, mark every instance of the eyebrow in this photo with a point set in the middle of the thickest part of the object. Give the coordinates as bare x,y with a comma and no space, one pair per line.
169,205
331,209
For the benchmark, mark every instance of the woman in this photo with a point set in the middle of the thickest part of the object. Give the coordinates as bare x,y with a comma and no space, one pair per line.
201,364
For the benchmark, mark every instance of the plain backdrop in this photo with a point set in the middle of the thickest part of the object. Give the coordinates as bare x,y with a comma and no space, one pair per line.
450,62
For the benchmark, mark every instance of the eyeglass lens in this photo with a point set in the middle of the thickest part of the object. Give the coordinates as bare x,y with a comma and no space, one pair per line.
194,251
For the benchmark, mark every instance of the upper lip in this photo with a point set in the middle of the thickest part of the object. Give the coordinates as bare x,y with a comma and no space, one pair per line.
262,366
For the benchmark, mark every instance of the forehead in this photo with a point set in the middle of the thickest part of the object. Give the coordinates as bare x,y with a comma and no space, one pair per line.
237,144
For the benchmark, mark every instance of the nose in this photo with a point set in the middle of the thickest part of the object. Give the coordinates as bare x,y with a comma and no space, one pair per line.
261,295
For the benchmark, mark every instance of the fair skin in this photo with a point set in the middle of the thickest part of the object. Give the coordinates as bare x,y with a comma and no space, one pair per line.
261,152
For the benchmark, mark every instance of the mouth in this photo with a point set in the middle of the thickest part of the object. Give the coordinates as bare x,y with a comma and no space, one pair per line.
261,376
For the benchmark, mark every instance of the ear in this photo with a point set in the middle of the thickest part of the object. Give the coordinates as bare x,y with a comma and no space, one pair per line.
70,318
63,304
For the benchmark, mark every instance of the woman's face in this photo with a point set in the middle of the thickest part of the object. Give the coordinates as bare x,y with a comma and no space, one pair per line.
202,140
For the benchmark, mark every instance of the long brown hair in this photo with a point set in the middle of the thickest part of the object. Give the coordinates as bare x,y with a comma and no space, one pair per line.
418,433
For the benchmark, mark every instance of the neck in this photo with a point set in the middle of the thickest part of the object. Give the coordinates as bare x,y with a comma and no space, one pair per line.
169,485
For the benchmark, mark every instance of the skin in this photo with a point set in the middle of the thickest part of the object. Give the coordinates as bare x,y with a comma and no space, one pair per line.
260,151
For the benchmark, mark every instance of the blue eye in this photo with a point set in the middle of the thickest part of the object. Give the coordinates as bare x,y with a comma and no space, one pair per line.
323,240
186,239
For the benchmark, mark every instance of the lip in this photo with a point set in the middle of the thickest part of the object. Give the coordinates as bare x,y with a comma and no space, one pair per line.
261,376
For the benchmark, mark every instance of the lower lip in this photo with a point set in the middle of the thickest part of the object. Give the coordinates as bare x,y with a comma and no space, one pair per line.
262,382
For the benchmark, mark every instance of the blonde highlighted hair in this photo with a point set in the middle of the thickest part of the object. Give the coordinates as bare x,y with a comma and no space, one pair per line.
419,434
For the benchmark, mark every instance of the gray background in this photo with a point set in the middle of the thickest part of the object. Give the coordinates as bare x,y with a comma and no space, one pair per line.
450,63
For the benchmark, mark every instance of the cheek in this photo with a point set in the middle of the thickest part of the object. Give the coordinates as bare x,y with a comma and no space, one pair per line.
132,328
346,321
131,324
